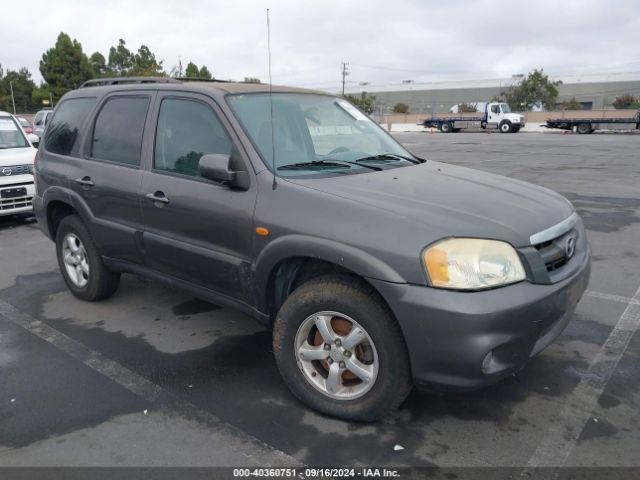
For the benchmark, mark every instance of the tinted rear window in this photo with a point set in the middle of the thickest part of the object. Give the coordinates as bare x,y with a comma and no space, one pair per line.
117,136
64,127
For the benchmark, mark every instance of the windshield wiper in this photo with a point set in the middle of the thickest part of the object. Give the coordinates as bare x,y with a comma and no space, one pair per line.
325,163
387,156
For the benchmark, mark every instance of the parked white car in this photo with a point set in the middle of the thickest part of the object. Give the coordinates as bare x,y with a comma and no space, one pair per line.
17,153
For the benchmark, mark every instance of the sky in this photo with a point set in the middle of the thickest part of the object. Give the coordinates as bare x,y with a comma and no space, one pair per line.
384,42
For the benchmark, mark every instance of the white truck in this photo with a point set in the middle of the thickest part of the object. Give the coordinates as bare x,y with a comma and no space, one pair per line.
496,115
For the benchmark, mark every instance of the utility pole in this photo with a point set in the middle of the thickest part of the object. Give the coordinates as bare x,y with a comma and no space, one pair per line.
345,72
51,99
13,101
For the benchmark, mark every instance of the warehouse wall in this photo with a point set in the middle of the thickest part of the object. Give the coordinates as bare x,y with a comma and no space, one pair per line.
593,95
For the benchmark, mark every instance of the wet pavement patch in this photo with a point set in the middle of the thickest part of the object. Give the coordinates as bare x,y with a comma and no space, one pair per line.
605,214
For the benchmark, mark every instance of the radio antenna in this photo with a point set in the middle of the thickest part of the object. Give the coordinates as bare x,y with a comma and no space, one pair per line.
273,143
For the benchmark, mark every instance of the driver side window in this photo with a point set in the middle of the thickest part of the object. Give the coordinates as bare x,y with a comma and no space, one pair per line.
187,130
495,108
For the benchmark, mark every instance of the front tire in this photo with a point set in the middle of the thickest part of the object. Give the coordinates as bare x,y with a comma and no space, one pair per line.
340,350
80,264
505,127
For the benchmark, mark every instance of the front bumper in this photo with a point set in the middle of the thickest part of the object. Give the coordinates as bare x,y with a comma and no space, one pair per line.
466,340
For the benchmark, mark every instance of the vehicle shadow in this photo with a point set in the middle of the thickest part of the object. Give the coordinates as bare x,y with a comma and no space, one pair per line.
12,221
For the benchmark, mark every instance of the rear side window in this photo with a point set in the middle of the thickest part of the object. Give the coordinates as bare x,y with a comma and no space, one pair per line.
117,135
187,130
64,127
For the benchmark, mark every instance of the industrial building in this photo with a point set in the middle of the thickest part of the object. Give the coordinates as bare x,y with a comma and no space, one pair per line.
593,91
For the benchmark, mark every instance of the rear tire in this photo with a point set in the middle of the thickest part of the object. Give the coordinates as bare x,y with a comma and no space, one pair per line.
584,128
446,127
505,127
80,263
341,300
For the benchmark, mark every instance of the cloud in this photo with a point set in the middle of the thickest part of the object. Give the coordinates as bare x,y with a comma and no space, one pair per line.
384,41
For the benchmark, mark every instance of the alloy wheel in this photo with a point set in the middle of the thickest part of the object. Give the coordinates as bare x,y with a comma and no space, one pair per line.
336,355
75,259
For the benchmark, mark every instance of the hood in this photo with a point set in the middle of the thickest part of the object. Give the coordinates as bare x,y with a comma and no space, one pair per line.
453,201
17,156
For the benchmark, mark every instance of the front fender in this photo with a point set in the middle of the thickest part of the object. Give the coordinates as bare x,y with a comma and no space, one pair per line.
347,256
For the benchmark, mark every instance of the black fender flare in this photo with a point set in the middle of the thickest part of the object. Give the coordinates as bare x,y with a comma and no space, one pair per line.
71,198
292,246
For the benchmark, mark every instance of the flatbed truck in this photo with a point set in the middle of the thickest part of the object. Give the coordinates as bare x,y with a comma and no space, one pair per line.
587,124
496,115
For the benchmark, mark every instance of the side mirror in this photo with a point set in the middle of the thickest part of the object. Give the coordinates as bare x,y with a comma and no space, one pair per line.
34,139
218,168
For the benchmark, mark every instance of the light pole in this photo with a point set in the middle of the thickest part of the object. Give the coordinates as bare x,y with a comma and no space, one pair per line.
13,101
345,72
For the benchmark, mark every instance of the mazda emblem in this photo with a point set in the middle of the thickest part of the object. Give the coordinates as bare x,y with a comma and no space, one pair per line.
6,171
570,247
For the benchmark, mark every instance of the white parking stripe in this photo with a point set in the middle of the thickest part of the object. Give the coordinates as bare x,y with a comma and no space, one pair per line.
609,296
257,451
561,438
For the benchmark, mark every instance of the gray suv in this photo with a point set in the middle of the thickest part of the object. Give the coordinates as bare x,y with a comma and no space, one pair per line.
376,270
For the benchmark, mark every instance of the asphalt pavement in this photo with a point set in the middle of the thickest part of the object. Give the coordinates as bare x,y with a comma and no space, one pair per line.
153,377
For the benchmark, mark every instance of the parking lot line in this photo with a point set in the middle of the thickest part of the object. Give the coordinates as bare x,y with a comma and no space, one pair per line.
609,296
257,451
562,436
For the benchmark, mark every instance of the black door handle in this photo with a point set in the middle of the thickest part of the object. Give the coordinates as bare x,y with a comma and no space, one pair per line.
158,197
85,181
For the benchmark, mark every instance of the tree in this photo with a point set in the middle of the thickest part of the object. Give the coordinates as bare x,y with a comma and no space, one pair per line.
364,103
536,89
22,89
99,64
65,66
626,101
251,80
192,71
145,64
467,108
571,104
205,73
120,59
401,108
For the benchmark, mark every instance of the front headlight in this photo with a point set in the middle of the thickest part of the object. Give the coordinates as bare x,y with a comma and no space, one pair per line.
472,264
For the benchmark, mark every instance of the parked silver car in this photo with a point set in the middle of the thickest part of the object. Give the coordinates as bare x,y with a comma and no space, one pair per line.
40,121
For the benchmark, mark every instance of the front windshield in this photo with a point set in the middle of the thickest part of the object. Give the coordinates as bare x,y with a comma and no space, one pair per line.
316,134
505,108
10,134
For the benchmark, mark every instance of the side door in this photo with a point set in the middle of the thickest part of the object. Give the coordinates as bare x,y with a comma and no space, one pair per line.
108,176
196,230
494,113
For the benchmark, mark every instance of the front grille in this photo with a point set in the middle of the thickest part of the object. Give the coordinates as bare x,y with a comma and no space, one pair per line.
13,203
15,170
554,253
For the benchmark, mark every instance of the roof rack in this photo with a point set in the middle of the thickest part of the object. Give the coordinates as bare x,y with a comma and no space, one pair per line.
202,79
99,82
